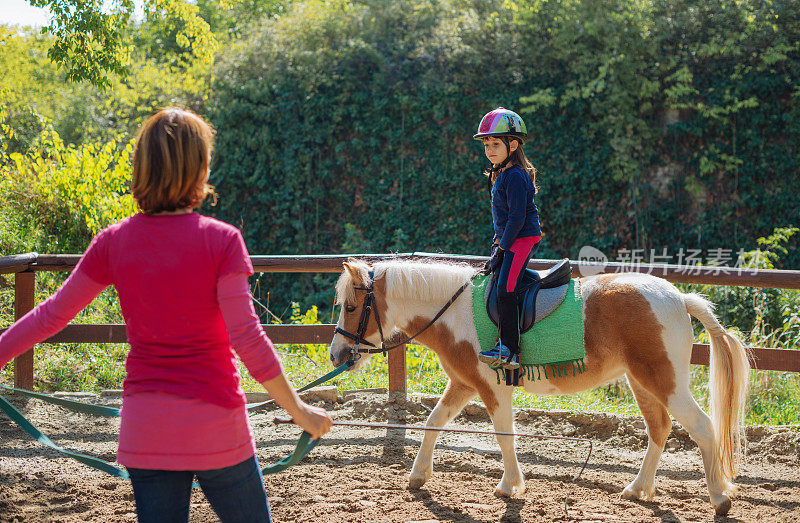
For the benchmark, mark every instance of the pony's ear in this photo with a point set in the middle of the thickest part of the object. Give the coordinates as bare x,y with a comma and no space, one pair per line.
353,267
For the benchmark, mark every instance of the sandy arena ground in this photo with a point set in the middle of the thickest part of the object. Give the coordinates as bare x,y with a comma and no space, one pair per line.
361,475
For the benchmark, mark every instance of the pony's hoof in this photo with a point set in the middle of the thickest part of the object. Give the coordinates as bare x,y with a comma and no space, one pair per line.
723,506
416,482
506,491
501,493
634,492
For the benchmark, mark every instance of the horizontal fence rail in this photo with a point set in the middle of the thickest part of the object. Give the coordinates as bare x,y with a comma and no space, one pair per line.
702,274
24,267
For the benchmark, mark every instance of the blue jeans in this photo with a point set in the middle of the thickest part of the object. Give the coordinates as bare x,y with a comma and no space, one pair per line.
236,493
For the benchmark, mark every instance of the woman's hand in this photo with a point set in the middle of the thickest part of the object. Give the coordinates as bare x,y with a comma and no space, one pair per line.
314,420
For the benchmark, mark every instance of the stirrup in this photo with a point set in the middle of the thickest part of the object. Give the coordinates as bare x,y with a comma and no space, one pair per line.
494,356
500,356
493,360
512,363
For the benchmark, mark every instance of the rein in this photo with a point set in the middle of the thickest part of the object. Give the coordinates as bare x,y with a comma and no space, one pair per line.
370,306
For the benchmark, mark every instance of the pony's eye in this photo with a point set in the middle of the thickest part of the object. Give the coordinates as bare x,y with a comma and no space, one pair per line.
349,308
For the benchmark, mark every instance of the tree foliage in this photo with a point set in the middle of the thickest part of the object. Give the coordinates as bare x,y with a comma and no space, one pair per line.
54,197
92,40
692,100
89,42
35,90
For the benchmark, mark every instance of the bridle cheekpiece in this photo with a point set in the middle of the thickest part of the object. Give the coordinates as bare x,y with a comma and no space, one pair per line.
370,307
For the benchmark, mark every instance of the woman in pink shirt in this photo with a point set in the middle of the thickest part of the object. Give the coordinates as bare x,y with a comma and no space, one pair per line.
182,284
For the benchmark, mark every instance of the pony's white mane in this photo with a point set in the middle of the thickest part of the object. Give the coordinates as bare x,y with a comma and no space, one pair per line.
410,280
423,281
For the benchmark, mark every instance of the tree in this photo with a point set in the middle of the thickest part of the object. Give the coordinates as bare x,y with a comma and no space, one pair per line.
89,42
92,42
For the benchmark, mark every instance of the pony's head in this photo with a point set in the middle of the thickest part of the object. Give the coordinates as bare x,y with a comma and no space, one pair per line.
360,295
378,299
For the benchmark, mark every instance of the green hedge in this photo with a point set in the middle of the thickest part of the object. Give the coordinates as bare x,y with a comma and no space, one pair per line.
346,126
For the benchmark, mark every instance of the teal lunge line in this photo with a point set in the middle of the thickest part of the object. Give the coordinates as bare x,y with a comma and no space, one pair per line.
329,376
77,406
304,445
111,412
17,417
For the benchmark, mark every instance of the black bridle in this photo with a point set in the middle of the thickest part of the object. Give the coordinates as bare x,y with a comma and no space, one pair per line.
370,306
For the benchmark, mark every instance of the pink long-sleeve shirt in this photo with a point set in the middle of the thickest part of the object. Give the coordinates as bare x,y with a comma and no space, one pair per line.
182,285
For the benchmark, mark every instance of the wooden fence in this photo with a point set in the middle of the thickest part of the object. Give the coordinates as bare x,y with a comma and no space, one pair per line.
25,266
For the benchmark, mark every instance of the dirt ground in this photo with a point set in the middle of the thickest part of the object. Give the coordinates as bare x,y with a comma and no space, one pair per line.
361,475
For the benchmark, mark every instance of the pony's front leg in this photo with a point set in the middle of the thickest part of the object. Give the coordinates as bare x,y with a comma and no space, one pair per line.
513,481
455,396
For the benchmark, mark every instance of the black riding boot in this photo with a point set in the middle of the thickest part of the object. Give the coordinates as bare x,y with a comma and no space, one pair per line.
509,323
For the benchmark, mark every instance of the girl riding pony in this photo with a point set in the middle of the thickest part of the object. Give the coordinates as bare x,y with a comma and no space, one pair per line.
516,223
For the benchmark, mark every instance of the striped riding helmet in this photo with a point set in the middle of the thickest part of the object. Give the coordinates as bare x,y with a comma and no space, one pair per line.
502,122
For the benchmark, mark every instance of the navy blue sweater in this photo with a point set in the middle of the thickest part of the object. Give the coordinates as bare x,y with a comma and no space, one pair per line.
514,212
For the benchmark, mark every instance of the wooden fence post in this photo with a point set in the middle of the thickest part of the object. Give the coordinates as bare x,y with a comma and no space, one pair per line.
24,297
397,371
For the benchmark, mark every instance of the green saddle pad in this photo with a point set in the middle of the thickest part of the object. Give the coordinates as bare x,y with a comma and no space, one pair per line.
554,346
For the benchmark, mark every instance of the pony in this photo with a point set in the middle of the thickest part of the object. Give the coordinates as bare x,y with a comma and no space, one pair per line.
635,324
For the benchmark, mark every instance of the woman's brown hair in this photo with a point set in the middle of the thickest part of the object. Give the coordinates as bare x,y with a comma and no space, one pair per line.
170,161
517,157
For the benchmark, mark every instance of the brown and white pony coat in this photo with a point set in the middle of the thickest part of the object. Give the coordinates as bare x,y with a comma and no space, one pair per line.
635,325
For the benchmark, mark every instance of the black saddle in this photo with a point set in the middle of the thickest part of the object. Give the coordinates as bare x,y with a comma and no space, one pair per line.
532,303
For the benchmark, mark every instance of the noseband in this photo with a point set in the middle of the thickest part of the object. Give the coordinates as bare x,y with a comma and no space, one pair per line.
371,306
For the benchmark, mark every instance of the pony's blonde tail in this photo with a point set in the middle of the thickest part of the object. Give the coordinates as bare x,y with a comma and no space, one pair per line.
729,383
